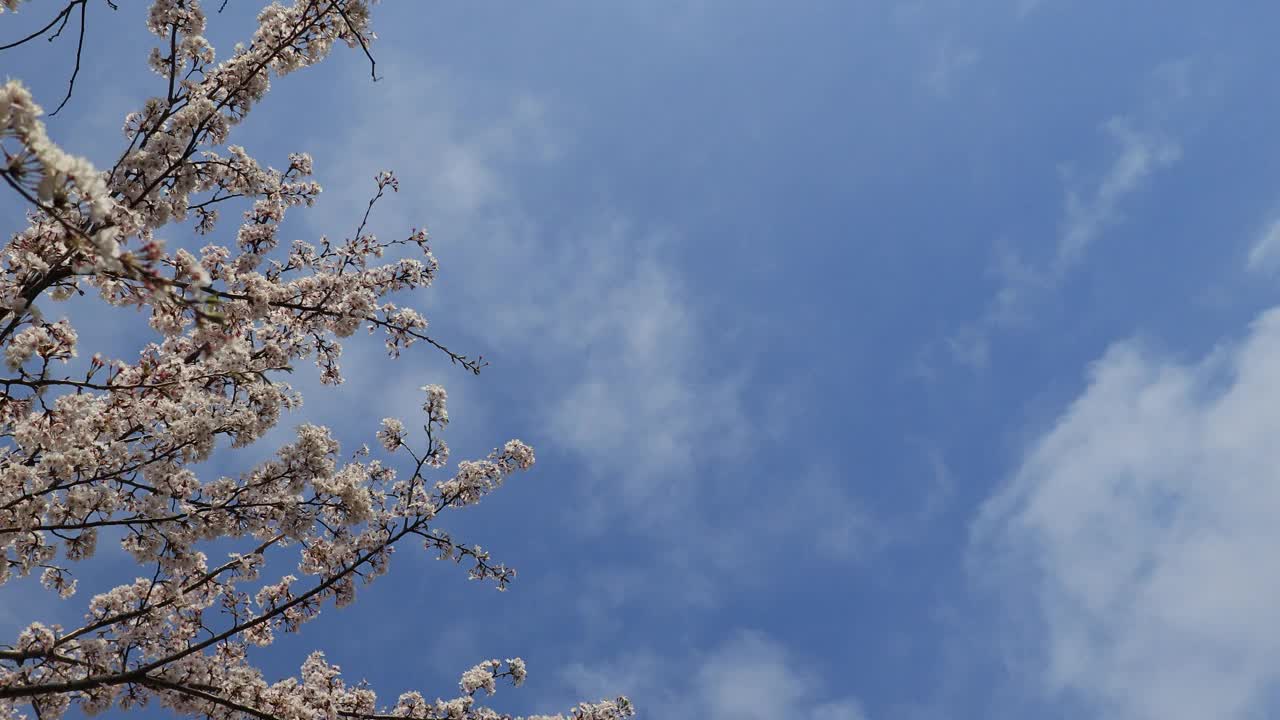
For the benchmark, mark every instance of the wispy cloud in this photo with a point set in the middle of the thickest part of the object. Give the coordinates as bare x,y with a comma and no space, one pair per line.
1140,153
600,344
1090,208
749,676
950,62
1024,8
1264,255
594,304
1140,531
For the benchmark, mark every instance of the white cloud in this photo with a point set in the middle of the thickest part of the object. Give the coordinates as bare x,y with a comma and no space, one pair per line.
1089,209
1025,8
592,312
949,63
639,403
1141,531
1264,256
1140,153
749,676
594,308
599,345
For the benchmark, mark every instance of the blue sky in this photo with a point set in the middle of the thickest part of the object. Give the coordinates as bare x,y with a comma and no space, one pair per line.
885,361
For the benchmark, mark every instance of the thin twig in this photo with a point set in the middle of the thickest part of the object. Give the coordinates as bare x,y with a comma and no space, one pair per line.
71,84
373,64
60,16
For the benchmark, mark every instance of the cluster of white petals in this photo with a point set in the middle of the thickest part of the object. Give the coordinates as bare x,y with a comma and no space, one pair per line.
67,187
109,449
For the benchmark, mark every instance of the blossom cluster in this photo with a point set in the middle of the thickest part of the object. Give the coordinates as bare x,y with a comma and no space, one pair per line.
107,450
67,187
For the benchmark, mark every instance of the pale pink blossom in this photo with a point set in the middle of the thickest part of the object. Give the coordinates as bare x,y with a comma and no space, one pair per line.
119,445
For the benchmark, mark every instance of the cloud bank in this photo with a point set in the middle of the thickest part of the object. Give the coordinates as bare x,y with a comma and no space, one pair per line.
1141,529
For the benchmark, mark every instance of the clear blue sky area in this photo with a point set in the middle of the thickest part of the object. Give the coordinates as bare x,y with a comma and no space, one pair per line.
885,361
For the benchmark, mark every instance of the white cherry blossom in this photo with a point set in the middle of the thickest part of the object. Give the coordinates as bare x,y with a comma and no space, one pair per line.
108,450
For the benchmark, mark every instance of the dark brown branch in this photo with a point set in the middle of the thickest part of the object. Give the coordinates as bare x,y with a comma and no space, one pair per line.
373,64
161,683
62,15
416,527
71,84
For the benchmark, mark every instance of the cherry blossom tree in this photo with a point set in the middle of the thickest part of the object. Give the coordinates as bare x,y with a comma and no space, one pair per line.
110,449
